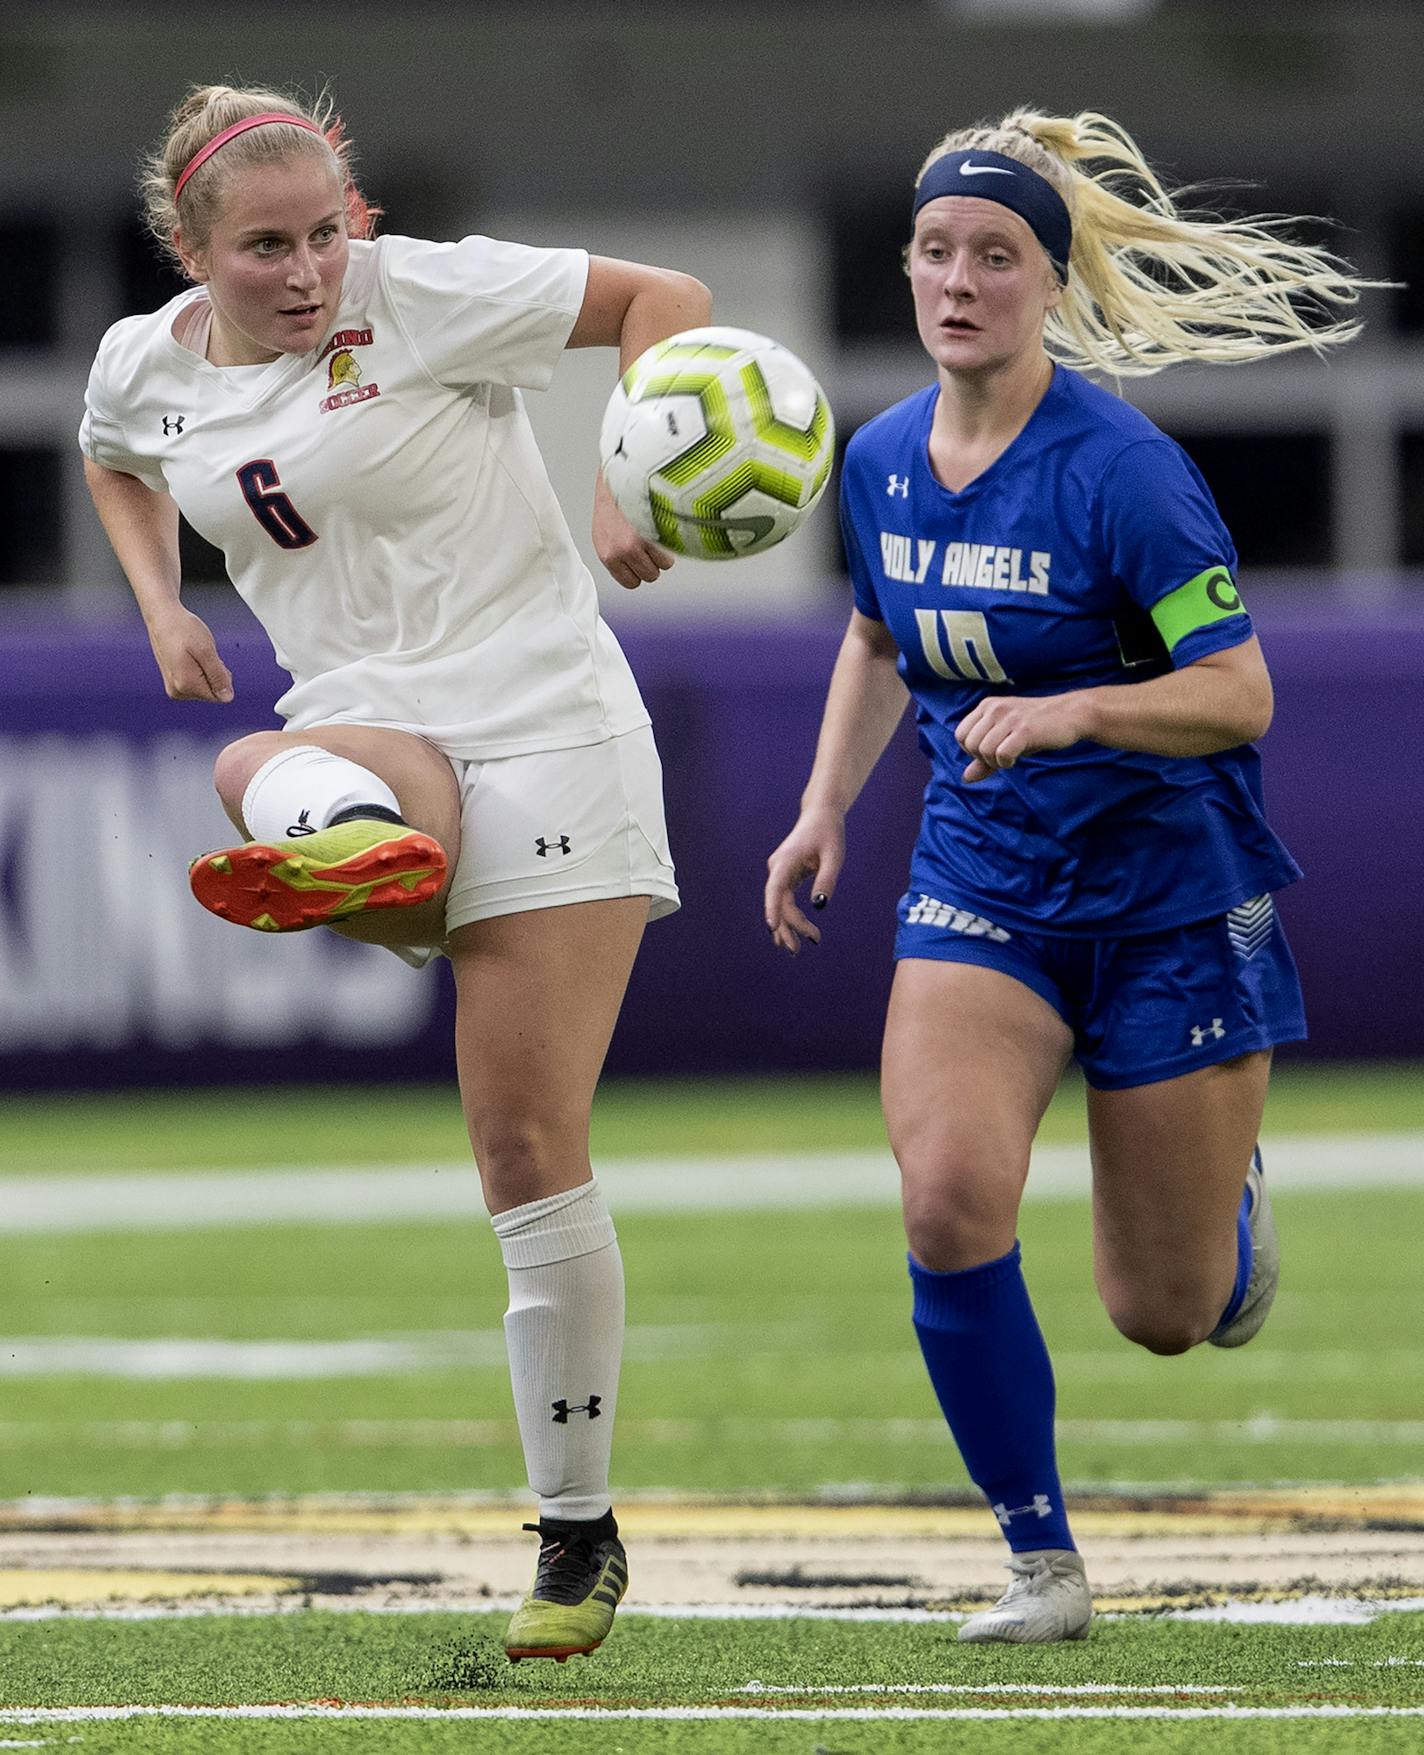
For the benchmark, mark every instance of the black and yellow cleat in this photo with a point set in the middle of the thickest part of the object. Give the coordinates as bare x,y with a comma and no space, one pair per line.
579,1581
311,880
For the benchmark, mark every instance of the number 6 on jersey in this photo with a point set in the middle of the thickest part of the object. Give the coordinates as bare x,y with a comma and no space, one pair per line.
262,489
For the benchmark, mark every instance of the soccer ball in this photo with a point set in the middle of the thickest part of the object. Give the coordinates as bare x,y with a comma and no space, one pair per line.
717,443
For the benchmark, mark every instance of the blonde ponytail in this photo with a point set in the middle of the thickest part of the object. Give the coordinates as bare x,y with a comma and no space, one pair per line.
1150,284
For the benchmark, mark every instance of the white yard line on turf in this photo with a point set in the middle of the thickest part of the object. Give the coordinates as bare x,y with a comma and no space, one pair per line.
484,1434
1054,1688
178,1200
42,1715
274,1360
1307,1611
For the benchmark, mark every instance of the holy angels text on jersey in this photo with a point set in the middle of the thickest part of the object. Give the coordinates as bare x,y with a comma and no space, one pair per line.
986,566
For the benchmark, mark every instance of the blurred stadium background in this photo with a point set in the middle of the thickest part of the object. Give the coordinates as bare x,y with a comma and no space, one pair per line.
769,151
241,1249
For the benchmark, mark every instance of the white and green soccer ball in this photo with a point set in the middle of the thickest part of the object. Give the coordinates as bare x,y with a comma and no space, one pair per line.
717,443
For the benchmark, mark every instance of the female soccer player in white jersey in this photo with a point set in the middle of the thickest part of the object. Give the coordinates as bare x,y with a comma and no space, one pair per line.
1046,575
467,763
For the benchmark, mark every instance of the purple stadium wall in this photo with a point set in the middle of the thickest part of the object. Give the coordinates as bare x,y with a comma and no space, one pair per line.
110,974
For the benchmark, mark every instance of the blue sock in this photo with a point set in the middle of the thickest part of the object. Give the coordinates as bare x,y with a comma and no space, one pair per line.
992,1375
1244,1255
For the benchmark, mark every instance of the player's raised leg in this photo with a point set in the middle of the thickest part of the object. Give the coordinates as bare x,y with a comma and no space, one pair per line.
346,825
971,1059
538,995
1183,1241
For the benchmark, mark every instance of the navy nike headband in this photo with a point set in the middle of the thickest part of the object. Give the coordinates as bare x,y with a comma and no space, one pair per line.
996,177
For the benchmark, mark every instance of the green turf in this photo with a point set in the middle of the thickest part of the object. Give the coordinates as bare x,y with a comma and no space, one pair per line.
768,1353
151,1737
285,1125
453,1661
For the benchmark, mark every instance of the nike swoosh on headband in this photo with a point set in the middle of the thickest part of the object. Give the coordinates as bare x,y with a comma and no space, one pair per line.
1026,193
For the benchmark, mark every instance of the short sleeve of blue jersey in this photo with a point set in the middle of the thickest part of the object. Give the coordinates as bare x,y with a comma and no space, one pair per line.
1166,547
862,585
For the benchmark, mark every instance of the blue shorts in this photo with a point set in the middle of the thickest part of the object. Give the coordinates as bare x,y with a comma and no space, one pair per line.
1143,1008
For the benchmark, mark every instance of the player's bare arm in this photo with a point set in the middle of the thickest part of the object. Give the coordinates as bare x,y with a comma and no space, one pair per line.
865,702
142,526
629,305
1216,703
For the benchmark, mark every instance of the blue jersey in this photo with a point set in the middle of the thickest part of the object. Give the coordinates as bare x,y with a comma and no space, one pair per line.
1089,552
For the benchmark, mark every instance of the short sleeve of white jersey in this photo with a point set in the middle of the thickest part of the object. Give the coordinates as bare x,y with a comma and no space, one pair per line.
481,311
101,433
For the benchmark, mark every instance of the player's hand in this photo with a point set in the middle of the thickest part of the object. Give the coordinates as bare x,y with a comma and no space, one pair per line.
188,658
1004,727
814,849
629,558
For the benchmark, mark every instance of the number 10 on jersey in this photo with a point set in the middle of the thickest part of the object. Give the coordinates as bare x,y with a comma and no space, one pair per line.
964,654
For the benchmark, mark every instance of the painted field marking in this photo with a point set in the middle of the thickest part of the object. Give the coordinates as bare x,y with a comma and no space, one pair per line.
1304,1611
1260,1363
833,1514
361,1194
58,1585
1388,1663
477,1434
40,1715
277,1360
1074,1688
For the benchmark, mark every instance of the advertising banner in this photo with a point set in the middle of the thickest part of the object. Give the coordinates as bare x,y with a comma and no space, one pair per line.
111,973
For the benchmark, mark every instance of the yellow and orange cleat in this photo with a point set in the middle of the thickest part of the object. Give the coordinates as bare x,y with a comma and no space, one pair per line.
313,880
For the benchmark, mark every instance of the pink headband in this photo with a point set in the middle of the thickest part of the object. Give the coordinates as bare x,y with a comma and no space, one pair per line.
202,157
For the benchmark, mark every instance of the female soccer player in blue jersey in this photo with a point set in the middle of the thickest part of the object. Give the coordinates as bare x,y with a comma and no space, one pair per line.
1047,576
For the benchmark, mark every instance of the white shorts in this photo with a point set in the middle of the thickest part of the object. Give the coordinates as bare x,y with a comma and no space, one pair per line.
561,826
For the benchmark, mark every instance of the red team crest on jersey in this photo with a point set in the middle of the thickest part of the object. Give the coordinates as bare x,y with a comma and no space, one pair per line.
343,375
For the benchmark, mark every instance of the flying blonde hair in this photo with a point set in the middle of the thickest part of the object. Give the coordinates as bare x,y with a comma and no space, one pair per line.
1150,285
204,113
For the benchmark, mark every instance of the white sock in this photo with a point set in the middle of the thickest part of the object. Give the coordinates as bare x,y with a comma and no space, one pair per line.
564,1331
301,788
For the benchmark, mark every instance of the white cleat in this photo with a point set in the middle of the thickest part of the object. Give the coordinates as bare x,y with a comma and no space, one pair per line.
1047,1601
1265,1266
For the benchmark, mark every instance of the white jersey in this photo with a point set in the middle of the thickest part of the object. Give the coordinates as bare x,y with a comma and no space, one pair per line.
380,501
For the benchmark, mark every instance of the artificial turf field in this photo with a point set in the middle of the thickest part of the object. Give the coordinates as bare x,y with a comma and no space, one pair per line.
769,1357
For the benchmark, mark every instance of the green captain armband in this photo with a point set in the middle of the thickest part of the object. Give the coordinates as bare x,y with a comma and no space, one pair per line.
1210,597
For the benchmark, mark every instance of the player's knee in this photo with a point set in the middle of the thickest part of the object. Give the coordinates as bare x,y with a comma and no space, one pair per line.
952,1220
1159,1327
239,761
518,1155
